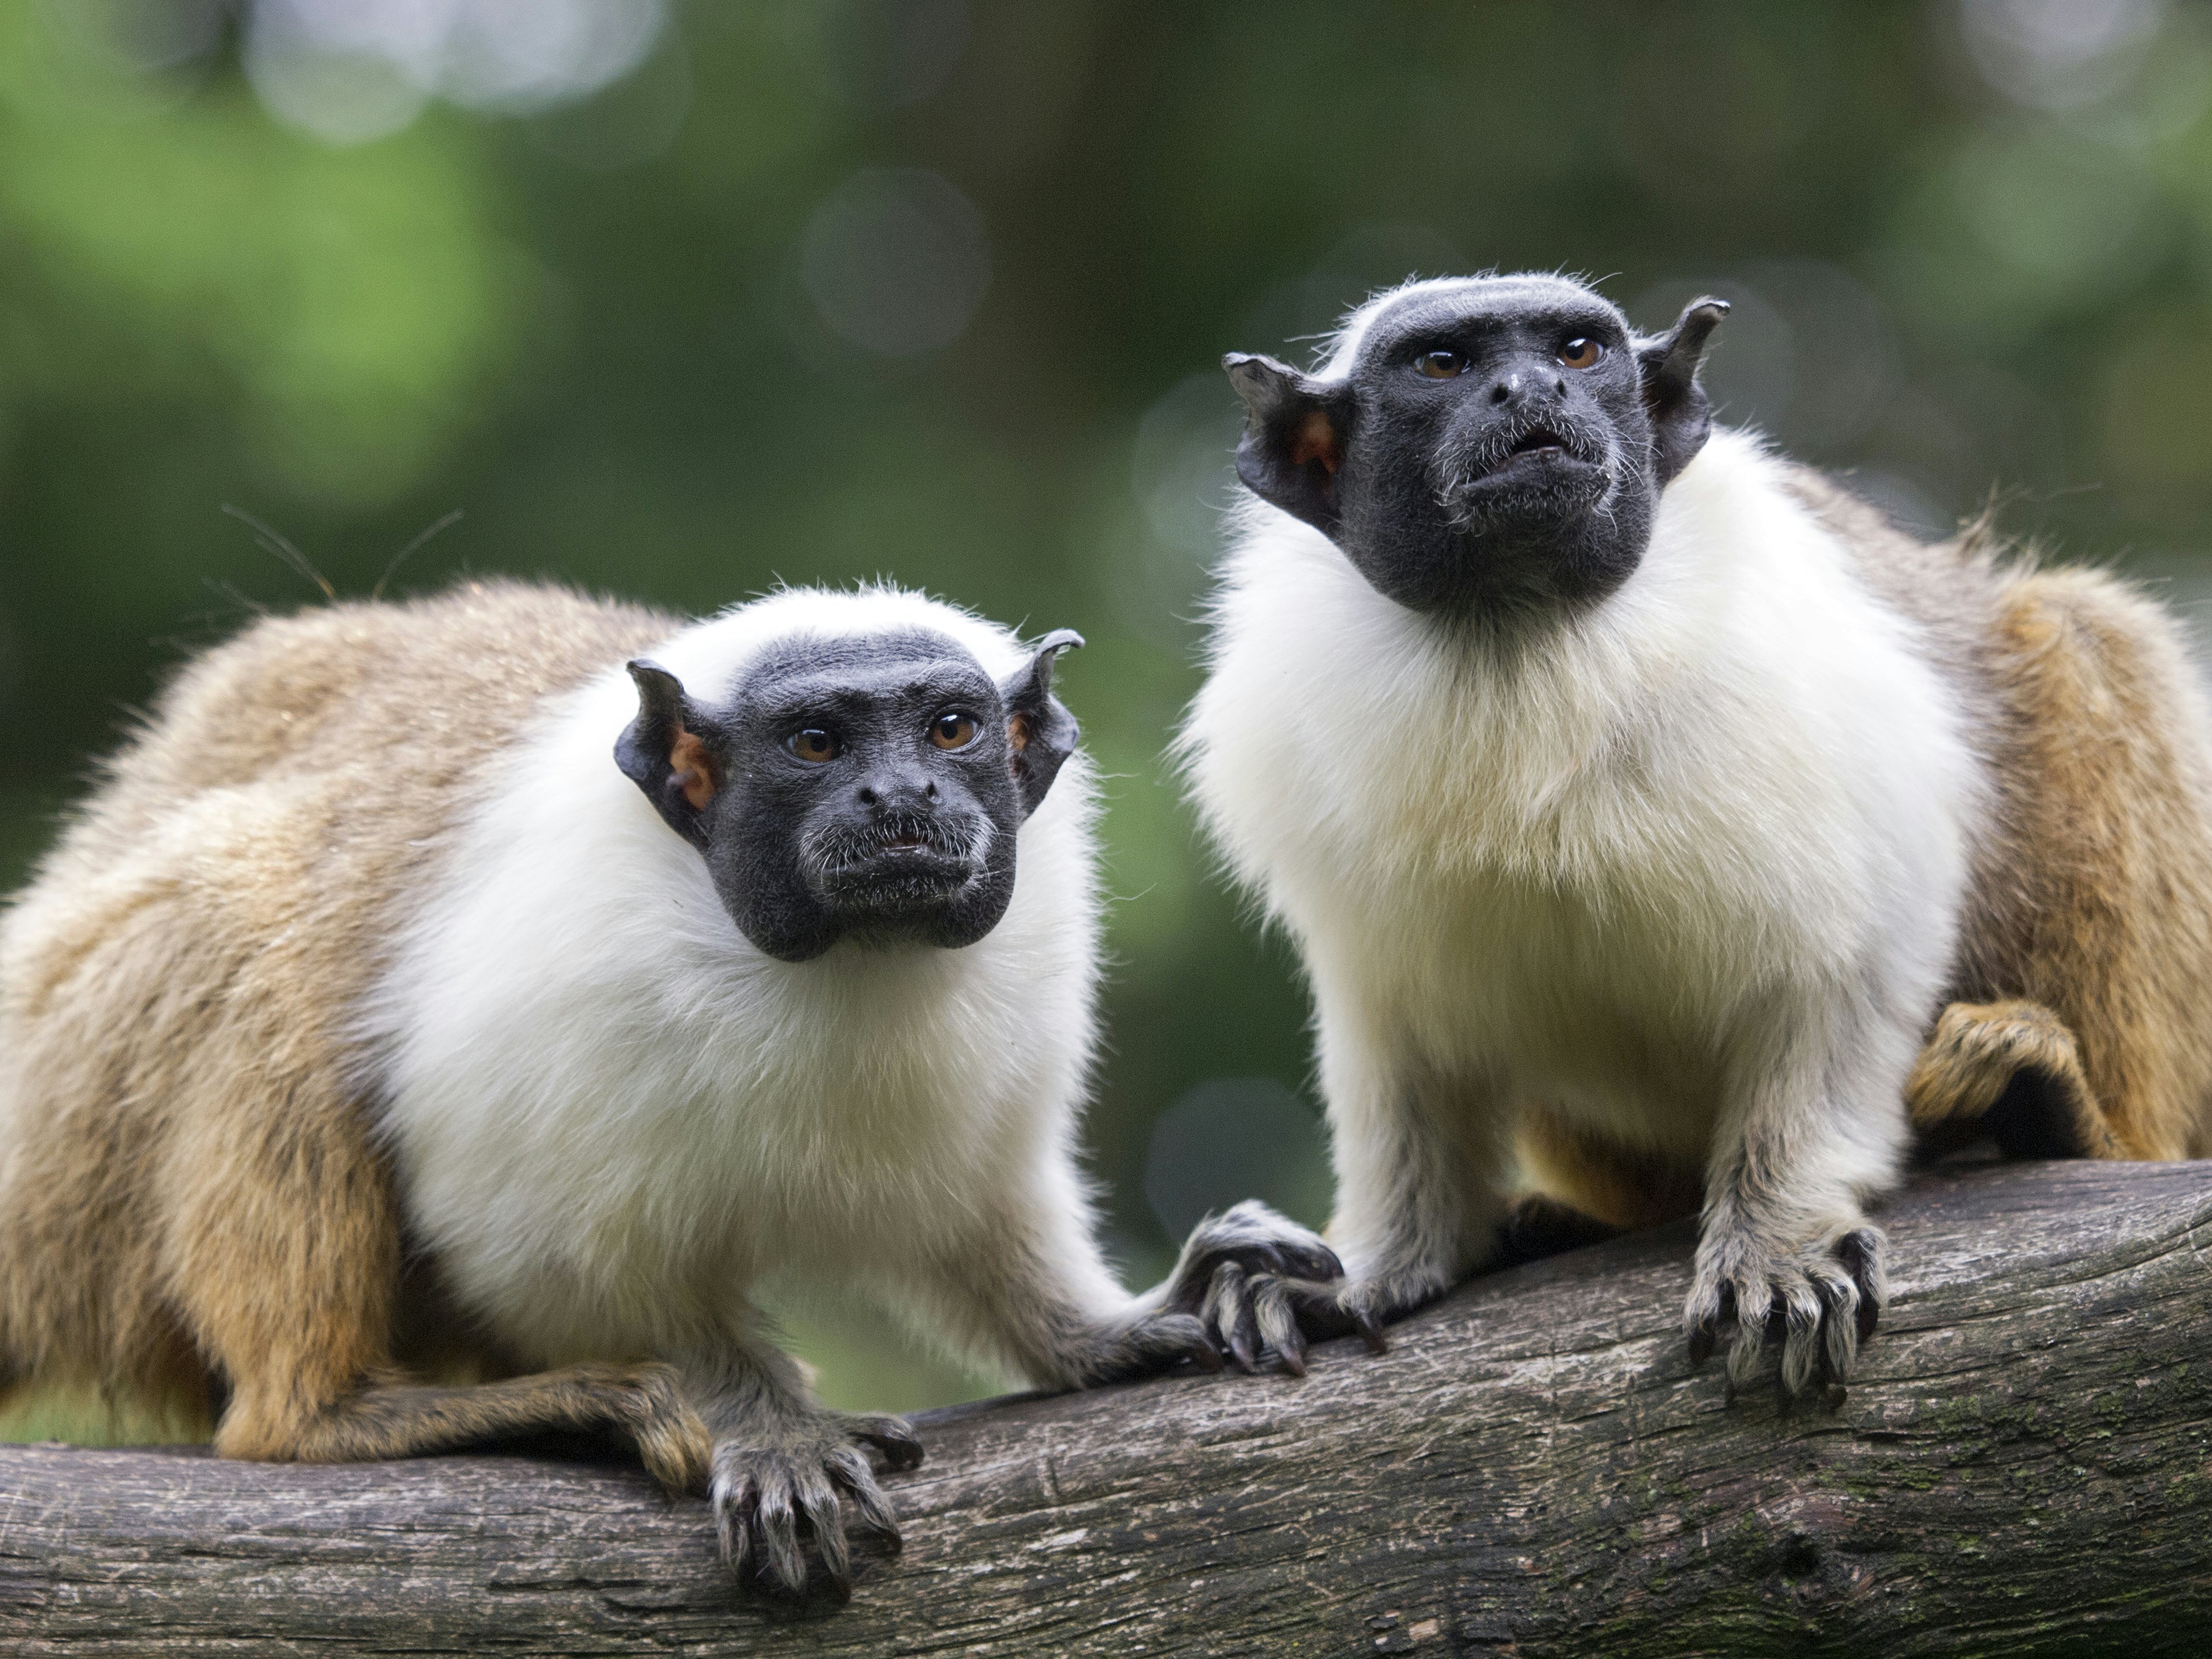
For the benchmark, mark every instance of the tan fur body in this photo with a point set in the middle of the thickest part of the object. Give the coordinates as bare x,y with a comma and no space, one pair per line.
187,1176
2075,1023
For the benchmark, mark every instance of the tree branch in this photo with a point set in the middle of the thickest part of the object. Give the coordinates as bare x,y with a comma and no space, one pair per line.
2024,1465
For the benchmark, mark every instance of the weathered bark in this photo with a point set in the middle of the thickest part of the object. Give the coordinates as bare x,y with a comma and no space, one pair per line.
2024,1465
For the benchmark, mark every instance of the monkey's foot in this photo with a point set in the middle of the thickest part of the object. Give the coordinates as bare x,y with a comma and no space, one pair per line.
1818,1302
771,1494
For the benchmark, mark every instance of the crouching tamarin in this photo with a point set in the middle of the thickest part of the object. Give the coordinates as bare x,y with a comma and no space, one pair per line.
1653,817
499,986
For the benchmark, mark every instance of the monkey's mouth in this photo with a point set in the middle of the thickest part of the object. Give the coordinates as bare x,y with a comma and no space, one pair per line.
1545,471
1540,444
900,864
1542,437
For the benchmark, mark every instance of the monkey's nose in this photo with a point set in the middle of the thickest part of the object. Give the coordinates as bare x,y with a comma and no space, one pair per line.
893,793
1504,391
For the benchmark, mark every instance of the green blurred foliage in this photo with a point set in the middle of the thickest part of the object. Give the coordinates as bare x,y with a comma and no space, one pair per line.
1965,261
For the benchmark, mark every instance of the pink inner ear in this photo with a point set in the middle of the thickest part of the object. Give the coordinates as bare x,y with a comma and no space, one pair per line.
1315,441
1017,732
695,772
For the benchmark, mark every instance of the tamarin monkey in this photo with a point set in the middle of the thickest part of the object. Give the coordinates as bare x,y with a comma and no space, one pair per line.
1657,821
498,986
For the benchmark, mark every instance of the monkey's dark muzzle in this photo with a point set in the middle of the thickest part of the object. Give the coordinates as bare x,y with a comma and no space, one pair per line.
901,863
1534,470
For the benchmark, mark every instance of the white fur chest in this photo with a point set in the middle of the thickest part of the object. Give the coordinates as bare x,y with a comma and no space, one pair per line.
1587,861
612,1114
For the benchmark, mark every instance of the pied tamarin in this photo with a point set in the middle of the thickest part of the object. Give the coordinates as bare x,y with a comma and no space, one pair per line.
442,1016
1656,821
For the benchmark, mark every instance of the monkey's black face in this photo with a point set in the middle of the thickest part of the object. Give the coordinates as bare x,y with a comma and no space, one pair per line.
866,788
1494,442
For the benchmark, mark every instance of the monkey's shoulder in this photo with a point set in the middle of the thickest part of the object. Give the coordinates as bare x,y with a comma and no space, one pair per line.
454,672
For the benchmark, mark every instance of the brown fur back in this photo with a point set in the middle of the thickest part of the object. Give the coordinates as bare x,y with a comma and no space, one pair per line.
2100,907
184,1169
2092,889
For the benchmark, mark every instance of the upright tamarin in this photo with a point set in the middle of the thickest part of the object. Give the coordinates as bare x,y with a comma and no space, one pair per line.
442,1015
1655,820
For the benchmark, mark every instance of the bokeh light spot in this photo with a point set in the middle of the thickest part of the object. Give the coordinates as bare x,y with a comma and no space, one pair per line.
2060,54
896,261
351,71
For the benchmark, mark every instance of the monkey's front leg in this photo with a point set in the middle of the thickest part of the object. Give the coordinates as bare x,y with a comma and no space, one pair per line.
1027,1283
785,1468
1812,1124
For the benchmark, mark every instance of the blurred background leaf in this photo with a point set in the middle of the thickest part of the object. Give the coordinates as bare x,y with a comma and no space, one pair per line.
675,300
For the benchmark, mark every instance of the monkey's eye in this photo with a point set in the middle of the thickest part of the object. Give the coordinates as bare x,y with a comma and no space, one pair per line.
1582,352
813,743
953,731
1441,365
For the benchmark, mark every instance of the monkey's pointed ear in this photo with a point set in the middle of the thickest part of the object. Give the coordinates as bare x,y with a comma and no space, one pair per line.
1040,732
1295,432
1681,417
661,751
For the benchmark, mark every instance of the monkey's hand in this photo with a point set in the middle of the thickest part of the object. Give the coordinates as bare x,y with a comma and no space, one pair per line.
1816,1300
801,1475
1255,1278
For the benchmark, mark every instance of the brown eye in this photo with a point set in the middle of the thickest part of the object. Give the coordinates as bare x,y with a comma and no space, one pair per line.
1581,352
1441,365
952,730
814,744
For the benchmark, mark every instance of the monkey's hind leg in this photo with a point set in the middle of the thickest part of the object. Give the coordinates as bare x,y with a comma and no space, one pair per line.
644,1406
2013,1070
284,1259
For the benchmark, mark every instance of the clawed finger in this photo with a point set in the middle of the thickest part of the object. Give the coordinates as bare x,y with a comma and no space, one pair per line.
857,1482
1860,1254
1279,1323
1710,1317
890,1436
1802,1312
732,1518
1755,1305
1314,1259
817,1500
776,1520
1201,1349
1228,1311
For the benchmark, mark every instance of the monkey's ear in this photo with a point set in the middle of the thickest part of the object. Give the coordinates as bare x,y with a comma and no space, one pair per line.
1040,732
1682,418
662,753
1295,432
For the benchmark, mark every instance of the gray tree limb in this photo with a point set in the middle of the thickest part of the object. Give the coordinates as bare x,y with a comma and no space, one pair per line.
2023,1466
